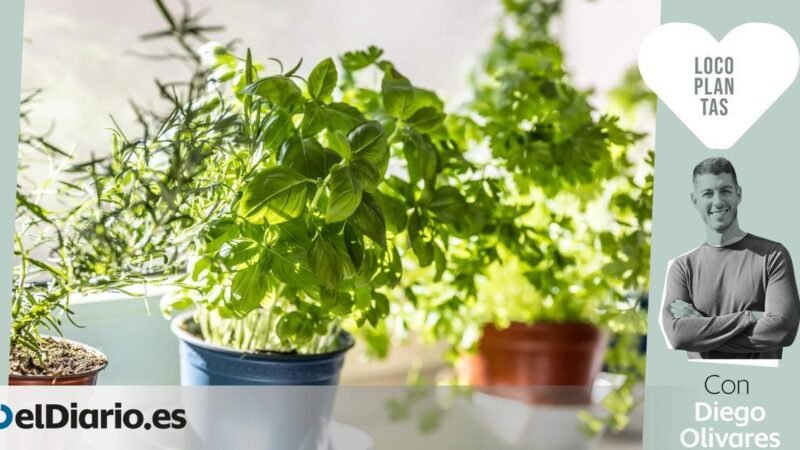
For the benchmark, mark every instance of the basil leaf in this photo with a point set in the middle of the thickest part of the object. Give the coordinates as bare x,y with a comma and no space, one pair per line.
295,232
368,219
290,264
295,327
368,143
421,157
343,117
380,304
366,174
314,119
339,143
428,160
359,59
307,157
391,270
440,261
398,94
275,128
322,80
274,195
422,248
324,261
278,89
237,254
345,195
425,98
394,211
448,204
426,119
248,289
354,242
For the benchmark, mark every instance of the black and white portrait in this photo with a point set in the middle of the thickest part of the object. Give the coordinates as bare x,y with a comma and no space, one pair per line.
734,296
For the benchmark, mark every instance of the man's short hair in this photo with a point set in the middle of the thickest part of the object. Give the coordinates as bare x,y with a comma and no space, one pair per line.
714,166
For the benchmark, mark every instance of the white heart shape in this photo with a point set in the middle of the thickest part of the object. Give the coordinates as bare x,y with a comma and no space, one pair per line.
763,62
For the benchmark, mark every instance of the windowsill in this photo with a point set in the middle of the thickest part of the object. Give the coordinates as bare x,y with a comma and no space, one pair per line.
141,349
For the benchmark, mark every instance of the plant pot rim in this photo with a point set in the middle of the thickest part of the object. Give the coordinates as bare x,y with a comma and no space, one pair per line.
346,342
543,324
55,378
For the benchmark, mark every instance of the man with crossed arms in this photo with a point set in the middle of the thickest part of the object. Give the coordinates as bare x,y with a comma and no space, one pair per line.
735,296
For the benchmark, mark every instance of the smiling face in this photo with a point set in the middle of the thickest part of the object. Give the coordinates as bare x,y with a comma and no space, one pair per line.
716,197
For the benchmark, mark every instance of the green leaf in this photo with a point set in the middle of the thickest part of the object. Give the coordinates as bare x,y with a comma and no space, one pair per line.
428,160
278,89
448,205
422,247
426,119
368,219
322,80
366,174
391,270
348,268
395,212
275,128
248,289
425,98
380,304
398,94
295,232
354,241
314,119
345,195
343,117
295,327
324,261
369,266
274,195
237,254
440,261
290,264
368,143
339,143
307,157
421,157
342,304
359,59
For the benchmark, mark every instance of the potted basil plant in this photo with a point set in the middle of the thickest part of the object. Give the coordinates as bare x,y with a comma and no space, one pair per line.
271,198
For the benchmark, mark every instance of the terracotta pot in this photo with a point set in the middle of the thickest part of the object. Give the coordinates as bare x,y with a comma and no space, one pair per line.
81,379
544,363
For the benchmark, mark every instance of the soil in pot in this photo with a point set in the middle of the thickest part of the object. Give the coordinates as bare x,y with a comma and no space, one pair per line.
544,363
63,362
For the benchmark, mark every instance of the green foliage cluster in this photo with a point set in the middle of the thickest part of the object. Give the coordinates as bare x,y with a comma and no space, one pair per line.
279,206
62,246
285,208
567,239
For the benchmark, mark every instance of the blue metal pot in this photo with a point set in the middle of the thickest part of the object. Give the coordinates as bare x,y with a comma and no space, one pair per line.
204,364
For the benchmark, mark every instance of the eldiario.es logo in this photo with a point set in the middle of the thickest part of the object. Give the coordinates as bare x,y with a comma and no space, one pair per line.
55,416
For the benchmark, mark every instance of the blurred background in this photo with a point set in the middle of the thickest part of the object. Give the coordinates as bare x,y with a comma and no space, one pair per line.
72,48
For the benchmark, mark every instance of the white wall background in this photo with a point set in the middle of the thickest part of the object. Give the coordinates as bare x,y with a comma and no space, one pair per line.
80,51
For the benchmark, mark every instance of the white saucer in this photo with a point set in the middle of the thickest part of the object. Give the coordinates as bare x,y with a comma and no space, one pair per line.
347,437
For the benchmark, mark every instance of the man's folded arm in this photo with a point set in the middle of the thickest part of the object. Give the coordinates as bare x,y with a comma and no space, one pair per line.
778,327
696,334
703,334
